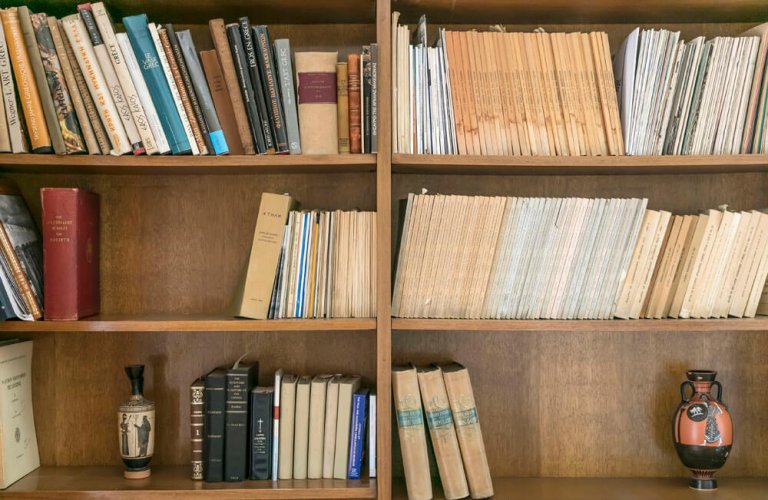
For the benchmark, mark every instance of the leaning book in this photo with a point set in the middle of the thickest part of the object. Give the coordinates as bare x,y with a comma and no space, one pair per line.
18,455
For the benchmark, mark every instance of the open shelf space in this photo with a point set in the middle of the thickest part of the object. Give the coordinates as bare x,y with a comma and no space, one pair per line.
587,325
157,164
179,323
576,165
173,482
611,488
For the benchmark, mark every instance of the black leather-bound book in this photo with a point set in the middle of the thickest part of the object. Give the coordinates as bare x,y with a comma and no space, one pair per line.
260,432
246,87
213,444
258,89
241,378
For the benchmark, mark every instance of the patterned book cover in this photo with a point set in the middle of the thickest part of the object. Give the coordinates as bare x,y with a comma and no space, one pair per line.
62,102
197,429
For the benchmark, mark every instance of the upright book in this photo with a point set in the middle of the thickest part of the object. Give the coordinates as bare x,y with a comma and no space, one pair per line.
342,108
301,427
276,423
197,426
316,90
213,444
357,434
288,93
260,96
240,62
260,432
12,112
70,253
241,378
348,386
221,101
270,87
149,62
317,412
18,447
287,419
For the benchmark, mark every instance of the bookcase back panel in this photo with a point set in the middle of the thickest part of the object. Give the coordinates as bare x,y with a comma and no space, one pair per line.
597,403
191,11
179,244
79,381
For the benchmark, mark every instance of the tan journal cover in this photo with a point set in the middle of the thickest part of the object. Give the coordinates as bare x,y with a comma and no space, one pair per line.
316,90
467,423
410,429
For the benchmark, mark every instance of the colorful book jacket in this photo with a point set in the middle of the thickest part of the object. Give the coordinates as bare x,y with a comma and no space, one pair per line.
144,48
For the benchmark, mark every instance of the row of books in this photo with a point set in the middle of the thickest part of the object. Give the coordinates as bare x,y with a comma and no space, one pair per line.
576,258
498,93
76,85
56,276
303,427
454,429
696,97
310,263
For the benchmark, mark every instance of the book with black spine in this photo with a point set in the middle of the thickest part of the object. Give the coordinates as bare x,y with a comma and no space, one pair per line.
185,76
246,88
213,444
260,96
241,378
288,93
260,432
271,86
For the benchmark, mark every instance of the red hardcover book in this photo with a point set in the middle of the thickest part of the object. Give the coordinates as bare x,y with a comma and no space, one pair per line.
70,253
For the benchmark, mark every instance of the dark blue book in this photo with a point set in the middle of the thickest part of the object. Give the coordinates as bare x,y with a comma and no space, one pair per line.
159,91
260,432
357,433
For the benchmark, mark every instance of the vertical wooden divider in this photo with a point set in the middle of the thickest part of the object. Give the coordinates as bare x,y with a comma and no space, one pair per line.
383,250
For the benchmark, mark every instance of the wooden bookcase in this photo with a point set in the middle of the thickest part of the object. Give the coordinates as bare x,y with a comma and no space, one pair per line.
570,409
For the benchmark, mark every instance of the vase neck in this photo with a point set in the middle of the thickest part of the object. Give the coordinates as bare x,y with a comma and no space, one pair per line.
137,386
702,387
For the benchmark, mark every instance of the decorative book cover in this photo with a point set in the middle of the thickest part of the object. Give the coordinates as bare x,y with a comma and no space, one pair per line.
65,112
260,432
270,86
241,378
288,93
70,253
316,90
221,101
467,423
342,108
221,42
355,112
31,105
246,88
159,91
197,426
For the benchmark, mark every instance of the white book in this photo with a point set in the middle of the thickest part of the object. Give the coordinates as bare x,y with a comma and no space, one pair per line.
174,89
276,424
499,257
649,264
738,295
301,427
605,288
129,92
597,259
17,425
607,252
317,413
696,60
565,224
734,262
760,274
94,78
719,267
153,120
576,240
577,288
543,260
565,267
741,117
624,69
535,219
639,208
10,107
329,432
287,422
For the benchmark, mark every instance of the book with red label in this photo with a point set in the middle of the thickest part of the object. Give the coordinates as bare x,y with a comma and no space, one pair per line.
70,253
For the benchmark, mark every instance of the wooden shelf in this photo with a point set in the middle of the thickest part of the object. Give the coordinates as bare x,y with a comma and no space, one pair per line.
585,325
156,164
602,488
576,165
148,323
173,482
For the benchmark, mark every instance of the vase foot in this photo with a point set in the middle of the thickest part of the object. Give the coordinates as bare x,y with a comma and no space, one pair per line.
137,474
702,484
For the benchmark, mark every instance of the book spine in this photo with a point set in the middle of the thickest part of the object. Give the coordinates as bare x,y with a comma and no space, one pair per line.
374,111
227,65
288,94
356,437
276,424
342,100
271,89
184,85
99,132
258,89
41,81
246,88
65,113
28,295
39,138
372,427
213,444
5,138
113,87
97,85
153,120
261,435
366,106
216,141
353,74
121,69
221,101
169,80
60,254
197,427
236,427
12,117
80,114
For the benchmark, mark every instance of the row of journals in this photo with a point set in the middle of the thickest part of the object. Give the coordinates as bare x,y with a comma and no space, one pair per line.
302,427
76,85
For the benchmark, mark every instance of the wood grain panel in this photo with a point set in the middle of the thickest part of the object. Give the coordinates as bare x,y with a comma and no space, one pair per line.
598,403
